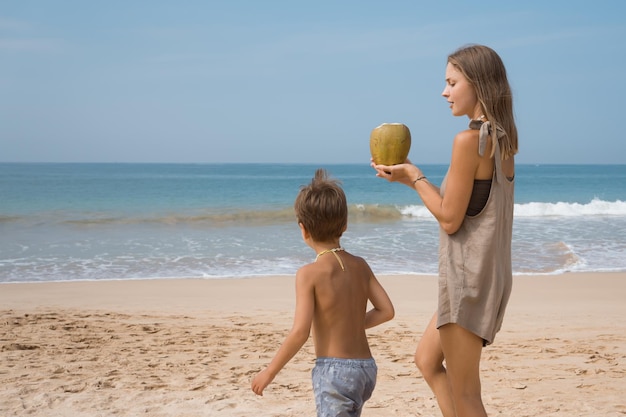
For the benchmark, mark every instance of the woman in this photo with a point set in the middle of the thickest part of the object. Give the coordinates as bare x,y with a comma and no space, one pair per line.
474,208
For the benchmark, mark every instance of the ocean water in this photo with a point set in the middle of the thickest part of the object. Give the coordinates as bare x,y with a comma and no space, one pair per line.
61,222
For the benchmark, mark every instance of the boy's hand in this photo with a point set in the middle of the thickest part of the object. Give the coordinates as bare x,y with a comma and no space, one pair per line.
260,381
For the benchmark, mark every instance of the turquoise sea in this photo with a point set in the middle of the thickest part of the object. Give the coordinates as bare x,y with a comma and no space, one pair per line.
66,222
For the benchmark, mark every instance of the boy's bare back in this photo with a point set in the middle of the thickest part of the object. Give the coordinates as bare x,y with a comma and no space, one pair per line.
340,297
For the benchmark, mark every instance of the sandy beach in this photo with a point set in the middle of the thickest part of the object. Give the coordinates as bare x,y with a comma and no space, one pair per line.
190,347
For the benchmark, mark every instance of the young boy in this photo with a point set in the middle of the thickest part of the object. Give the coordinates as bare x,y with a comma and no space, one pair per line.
332,295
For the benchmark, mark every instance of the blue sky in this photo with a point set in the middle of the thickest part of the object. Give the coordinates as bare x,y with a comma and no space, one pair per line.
302,82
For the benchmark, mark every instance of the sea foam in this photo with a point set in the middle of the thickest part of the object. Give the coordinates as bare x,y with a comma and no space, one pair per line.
595,207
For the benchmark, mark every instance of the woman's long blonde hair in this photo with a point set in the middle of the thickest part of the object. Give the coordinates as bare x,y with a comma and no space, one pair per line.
484,69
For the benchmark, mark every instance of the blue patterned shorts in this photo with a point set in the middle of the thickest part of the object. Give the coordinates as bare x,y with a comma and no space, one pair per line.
341,386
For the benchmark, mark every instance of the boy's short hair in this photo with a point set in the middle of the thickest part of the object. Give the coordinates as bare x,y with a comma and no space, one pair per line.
322,208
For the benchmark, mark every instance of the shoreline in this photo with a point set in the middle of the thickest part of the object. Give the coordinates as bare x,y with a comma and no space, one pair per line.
192,292
183,347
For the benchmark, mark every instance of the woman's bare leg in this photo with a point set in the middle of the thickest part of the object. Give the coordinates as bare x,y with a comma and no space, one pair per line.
462,350
429,360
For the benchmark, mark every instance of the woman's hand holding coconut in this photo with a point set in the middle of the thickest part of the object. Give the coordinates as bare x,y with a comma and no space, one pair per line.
405,173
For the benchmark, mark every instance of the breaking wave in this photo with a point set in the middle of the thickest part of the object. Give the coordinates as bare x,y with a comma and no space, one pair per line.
595,207
359,213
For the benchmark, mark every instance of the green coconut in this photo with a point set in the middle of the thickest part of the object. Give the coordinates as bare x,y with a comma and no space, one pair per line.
390,143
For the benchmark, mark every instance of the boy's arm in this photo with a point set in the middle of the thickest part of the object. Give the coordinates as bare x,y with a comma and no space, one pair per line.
296,338
382,310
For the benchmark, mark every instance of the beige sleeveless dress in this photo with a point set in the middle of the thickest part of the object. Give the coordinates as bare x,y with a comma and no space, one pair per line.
475,276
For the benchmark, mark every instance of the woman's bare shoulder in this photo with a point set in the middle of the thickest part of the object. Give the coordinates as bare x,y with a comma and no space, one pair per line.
466,142
467,137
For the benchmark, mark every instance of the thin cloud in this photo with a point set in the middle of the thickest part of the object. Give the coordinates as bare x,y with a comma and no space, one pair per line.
14,25
18,36
29,45
552,37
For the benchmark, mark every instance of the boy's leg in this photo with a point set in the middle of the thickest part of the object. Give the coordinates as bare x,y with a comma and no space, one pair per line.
429,360
462,350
